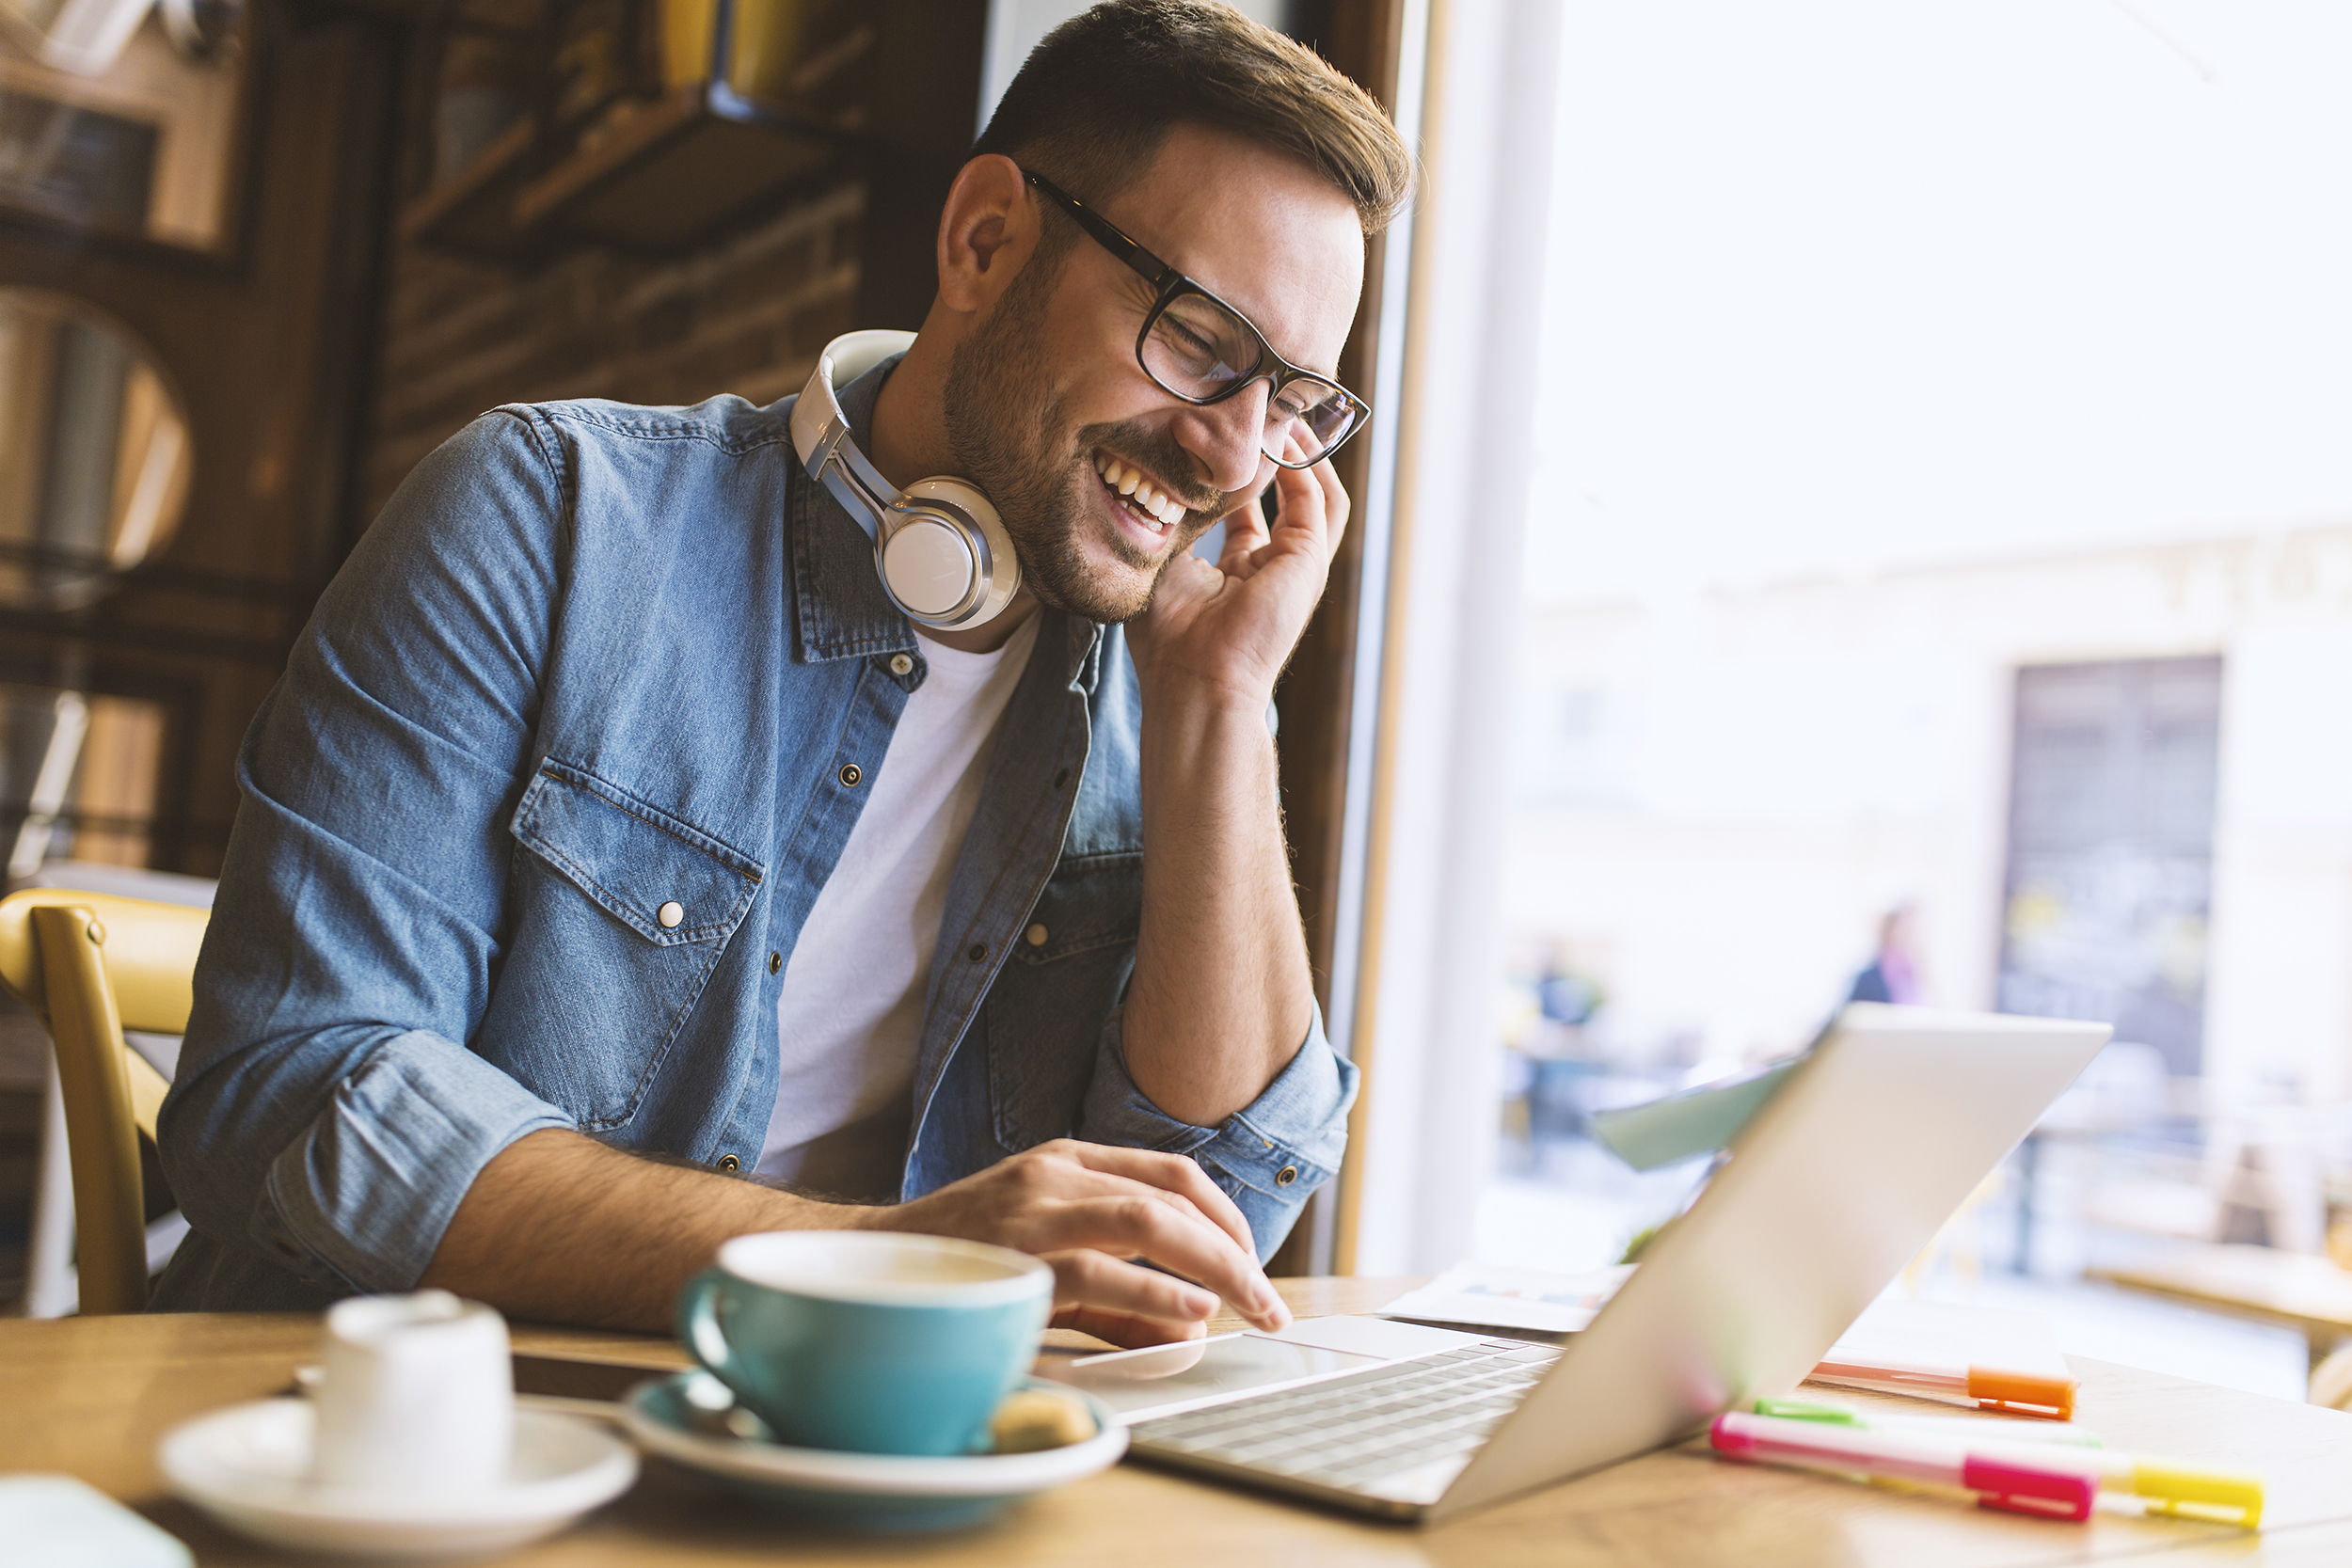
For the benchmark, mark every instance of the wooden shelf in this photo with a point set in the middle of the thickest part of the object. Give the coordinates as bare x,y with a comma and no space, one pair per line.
473,211
676,167
662,173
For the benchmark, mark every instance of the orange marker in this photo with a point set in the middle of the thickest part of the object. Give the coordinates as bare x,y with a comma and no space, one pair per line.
1988,1387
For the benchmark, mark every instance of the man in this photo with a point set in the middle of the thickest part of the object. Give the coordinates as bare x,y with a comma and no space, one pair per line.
612,837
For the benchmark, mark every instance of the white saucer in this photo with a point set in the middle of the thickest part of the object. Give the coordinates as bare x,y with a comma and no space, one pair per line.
866,1491
249,1465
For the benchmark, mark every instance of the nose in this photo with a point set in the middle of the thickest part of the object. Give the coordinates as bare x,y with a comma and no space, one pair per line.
1224,437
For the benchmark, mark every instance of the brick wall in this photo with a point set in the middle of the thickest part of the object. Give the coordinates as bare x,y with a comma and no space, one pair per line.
747,315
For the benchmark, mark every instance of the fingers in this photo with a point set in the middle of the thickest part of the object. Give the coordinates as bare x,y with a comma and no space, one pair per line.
1203,1238
1298,500
1246,532
1128,1332
1074,1197
1172,1174
1098,1286
1336,505
1311,499
1307,504
1133,1223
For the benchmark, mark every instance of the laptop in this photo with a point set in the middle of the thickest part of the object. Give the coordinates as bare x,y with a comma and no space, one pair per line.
1837,1181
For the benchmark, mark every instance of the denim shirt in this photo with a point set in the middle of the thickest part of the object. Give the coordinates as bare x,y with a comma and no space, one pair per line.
533,821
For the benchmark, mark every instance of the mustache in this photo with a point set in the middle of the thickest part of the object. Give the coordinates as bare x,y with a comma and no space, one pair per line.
1157,452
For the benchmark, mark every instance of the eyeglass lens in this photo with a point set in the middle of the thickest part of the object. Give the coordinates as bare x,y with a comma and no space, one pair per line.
1196,348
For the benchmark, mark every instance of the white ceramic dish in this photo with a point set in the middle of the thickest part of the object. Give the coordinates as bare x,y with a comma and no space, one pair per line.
248,1466
866,1491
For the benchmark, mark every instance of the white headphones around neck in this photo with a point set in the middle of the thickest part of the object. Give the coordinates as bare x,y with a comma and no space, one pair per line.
944,556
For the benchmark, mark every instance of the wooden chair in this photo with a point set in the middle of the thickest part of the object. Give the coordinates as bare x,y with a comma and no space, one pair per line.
93,965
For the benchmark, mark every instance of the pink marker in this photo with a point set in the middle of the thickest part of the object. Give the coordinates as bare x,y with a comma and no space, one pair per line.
2009,1482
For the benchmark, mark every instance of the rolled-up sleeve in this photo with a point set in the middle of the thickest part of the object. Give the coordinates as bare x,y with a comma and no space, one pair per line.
328,1113
1268,1157
367,1188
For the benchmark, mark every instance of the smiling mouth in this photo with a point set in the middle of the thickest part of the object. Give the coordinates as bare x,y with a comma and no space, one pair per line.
1146,503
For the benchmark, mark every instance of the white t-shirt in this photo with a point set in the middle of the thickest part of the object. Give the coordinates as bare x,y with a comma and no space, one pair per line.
850,1015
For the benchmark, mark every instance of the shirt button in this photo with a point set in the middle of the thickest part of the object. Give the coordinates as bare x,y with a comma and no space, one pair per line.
670,914
776,961
977,951
849,775
729,1163
1036,935
1287,1175
1062,778
901,665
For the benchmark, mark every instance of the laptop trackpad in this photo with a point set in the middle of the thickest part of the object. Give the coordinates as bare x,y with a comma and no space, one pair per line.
1139,1384
1390,1341
1144,1383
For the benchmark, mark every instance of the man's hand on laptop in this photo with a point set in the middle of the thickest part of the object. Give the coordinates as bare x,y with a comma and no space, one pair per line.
1087,1209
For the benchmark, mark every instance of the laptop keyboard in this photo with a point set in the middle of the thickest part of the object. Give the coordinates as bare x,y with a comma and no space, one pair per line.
1356,1431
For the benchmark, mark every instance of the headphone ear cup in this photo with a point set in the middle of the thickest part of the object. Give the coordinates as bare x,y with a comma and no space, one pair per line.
997,567
929,567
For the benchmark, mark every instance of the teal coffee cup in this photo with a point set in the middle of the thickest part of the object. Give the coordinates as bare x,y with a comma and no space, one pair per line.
866,1340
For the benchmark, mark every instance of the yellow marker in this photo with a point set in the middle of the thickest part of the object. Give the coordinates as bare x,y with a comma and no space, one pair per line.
2168,1485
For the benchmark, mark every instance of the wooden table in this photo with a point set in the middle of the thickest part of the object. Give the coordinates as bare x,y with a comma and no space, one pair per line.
90,1397
2308,1294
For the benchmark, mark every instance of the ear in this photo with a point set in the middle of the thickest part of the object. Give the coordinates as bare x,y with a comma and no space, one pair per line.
987,233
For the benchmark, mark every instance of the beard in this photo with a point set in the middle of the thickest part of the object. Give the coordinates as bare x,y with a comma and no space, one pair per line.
1008,424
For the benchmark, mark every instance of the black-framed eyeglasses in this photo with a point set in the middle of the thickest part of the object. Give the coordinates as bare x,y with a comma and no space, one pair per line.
1197,347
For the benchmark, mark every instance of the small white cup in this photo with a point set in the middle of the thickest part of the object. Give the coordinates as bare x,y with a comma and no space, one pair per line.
416,1394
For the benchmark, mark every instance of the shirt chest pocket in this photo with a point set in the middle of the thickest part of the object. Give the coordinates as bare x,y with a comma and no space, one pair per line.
1094,901
623,912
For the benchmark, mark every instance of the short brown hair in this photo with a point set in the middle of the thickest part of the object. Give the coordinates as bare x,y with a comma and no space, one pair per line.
1093,101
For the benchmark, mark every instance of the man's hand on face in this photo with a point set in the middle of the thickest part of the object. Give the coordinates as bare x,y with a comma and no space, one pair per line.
1086,1210
1232,626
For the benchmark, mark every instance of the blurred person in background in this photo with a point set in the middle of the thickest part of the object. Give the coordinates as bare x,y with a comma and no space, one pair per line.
1893,973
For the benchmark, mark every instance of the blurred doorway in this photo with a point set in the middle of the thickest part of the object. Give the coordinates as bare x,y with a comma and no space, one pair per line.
2110,876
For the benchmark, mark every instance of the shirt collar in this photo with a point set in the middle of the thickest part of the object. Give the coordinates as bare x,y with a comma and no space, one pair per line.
841,611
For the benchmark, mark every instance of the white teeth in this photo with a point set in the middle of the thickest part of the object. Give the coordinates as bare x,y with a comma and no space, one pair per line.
1146,496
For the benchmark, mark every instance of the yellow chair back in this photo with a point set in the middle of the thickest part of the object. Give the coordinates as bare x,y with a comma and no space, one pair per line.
93,964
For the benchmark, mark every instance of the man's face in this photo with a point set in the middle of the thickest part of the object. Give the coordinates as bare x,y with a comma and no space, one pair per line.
1046,392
